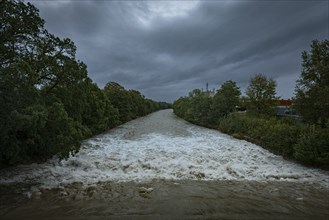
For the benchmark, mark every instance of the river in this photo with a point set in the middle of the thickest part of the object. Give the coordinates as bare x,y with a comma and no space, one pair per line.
162,167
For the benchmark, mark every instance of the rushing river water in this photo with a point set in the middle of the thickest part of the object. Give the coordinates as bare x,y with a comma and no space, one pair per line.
160,166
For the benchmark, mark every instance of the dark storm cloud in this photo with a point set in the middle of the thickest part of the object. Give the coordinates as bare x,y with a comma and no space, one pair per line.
166,56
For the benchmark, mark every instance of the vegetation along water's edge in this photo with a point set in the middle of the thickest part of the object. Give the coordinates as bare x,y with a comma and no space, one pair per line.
302,136
48,102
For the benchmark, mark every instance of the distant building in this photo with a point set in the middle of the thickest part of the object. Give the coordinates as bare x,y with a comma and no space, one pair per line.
210,93
284,107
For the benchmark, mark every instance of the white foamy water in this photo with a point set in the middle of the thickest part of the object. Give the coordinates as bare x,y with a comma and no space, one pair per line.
162,146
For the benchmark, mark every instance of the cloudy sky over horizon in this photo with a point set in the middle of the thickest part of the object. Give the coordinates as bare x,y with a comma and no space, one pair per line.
164,49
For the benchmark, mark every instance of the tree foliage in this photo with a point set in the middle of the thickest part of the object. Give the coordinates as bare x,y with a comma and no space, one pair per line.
307,144
130,103
261,95
226,99
312,89
48,102
203,109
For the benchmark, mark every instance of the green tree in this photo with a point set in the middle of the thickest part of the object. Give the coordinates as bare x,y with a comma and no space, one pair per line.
98,113
181,106
48,102
120,99
226,99
195,108
38,75
261,95
195,93
137,103
312,88
20,23
199,110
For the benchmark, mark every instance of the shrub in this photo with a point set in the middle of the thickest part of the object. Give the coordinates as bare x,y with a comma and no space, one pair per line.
313,147
275,135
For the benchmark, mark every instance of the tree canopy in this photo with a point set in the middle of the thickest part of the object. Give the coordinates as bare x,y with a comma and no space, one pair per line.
226,99
48,102
261,94
204,109
312,88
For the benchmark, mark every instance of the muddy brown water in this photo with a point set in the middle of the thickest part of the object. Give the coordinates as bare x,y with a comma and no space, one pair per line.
165,198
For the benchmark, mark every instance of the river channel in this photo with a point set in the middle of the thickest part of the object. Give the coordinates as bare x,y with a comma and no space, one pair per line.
162,167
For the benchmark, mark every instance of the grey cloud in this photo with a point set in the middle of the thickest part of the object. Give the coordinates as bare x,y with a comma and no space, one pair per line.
214,42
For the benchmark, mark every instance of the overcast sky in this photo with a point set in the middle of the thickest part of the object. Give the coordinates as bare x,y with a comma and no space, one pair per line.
164,49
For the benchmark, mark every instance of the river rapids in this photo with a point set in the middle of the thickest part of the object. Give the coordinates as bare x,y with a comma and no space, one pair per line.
195,172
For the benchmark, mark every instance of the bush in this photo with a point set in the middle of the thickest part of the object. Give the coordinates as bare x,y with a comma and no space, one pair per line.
274,135
233,124
307,144
313,147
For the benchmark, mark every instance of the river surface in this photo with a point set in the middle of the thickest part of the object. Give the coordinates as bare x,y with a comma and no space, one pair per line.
162,167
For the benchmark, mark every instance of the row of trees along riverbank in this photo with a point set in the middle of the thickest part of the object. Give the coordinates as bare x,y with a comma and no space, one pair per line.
48,102
306,142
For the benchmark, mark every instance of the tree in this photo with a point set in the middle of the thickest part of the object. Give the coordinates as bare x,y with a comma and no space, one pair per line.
312,88
138,103
20,23
226,99
195,108
48,102
195,93
120,99
199,110
40,80
261,94
97,113
181,106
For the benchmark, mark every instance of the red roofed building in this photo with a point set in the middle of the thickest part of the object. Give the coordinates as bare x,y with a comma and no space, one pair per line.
284,102
284,107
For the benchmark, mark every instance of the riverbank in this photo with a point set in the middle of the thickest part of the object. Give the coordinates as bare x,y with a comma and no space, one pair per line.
305,144
301,143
